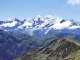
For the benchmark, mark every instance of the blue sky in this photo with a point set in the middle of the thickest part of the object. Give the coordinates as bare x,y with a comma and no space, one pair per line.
31,8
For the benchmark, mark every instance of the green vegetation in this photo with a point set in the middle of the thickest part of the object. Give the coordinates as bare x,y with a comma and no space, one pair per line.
72,40
58,49
73,56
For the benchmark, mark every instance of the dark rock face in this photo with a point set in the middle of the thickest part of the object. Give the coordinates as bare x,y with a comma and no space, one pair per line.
57,49
62,21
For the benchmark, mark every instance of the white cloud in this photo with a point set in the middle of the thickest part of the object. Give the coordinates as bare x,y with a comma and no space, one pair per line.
73,2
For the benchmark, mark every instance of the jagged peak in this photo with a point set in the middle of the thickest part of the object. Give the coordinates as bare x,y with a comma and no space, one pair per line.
40,23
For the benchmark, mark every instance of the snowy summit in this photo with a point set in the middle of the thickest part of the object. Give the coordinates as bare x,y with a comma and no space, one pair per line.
39,23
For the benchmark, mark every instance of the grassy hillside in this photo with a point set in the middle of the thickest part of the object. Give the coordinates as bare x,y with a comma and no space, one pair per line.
57,49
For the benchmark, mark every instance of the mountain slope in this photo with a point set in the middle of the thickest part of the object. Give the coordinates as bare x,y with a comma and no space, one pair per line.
15,43
20,36
58,49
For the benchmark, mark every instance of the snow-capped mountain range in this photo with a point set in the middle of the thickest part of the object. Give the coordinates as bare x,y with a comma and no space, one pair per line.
18,36
41,23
